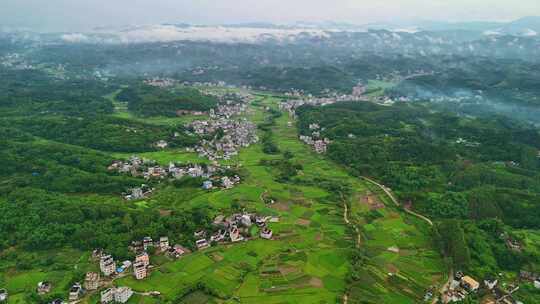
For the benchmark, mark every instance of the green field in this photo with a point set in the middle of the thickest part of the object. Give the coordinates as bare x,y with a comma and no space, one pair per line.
376,88
308,261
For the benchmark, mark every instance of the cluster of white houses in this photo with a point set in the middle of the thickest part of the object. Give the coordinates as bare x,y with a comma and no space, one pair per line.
461,286
300,99
225,132
315,140
227,136
160,82
137,167
458,289
234,228
92,283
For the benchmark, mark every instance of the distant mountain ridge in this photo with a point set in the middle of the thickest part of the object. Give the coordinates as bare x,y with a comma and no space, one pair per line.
398,35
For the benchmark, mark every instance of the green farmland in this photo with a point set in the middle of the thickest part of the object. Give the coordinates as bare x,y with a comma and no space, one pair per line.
308,261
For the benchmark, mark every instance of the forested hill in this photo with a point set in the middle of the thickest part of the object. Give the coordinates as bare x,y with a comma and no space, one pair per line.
58,137
145,100
476,177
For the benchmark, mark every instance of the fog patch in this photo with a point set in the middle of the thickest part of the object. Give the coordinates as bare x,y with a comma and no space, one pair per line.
75,38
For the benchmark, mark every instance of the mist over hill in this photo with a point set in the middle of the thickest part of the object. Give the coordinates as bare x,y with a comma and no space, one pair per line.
433,61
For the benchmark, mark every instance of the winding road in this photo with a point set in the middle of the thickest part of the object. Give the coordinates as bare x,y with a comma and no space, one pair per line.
395,201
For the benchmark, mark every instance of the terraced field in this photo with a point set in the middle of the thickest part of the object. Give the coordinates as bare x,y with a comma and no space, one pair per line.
308,261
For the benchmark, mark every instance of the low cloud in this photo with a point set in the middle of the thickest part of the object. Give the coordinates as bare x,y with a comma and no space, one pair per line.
75,38
168,33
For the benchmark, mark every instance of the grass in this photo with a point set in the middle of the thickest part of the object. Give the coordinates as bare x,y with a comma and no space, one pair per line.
61,268
376,88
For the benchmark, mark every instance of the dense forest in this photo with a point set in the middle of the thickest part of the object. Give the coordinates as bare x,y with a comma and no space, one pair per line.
147,101
57,138
478,177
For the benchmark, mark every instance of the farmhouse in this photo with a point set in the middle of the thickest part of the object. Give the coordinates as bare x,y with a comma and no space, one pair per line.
218,236
143,257
162,144
490,284
107,265
147,242
75,292
202,244
199,234
107,295
227,183
138,193
140,270
234,234
3,295
122,294
207,185
164,243
177,251
266,233
469,283
43,288
91,281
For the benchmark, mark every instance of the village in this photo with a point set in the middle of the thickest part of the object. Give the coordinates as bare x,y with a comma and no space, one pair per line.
225,230
225,133
315,141
214,175
494,290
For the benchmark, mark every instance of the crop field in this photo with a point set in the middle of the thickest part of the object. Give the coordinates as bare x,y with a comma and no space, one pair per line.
307,261
59,268
402,263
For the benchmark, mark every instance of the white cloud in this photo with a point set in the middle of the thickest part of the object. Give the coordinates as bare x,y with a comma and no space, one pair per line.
165,33
75,37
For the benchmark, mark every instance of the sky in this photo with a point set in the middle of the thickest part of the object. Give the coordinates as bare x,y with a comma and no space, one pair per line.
83,15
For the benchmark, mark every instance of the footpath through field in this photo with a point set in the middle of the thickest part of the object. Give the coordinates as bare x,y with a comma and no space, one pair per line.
395,201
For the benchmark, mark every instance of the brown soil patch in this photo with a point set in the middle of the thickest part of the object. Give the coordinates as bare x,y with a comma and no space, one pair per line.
372,201
316,282
164,212
392,268
285,270
281,206
393,215
301,202
216,257
407,252
303,222
285,236
436,278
